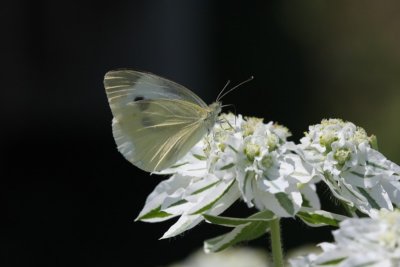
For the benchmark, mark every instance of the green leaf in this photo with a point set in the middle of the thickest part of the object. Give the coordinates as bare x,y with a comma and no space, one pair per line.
285,202
204,188
337,261
317,218
209,205
263,216
228,166
153,214
199,157
370,199
306,203
178,165
244,232
231,147
179,202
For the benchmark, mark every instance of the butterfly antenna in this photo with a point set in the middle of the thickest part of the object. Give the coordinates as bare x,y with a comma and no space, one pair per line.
233,88
223,89
223,106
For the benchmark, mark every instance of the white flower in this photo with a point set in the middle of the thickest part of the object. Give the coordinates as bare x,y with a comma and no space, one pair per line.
304,261
234,257
355,172
242,158
372,242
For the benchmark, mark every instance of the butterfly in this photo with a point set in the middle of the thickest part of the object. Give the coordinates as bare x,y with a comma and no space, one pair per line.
156,121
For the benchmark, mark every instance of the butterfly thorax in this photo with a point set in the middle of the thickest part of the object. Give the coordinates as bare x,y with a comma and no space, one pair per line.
212,115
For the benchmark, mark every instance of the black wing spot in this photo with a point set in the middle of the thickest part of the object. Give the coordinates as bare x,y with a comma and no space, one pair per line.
143,105
138,98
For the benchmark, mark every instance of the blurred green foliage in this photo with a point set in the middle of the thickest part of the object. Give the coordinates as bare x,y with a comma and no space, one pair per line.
353,50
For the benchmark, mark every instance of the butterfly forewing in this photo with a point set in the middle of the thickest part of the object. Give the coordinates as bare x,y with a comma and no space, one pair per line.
154,134
125,86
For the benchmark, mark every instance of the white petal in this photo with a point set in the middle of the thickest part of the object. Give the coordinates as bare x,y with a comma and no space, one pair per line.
184,223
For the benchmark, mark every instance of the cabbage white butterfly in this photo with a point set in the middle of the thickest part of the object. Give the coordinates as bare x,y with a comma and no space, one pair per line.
156,121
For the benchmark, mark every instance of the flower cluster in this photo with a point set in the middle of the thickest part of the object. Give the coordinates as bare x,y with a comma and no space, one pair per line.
242,158
344,156
360,242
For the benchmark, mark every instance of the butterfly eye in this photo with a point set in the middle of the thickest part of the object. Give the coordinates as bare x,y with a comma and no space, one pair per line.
138,98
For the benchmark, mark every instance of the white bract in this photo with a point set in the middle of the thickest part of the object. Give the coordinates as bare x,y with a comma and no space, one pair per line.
355,172
241,158
372,242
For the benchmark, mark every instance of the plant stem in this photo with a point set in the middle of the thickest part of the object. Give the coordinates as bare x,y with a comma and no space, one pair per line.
276,246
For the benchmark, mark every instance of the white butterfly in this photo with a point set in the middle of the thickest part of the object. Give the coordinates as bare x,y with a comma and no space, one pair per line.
156,121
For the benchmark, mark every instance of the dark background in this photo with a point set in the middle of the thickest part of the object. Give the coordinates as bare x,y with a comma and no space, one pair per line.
69,198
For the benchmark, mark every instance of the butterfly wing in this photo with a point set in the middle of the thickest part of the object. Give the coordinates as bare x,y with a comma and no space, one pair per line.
126,86
155,138
156,121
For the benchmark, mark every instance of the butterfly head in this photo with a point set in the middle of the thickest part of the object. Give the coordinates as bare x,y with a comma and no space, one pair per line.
214,110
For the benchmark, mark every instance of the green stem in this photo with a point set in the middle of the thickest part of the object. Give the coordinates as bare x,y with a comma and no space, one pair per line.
277,255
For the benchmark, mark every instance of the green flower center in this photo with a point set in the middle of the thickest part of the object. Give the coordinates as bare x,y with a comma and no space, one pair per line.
342,155
272,142
250,125
222,146
360,135
267,162
327,139
251,151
